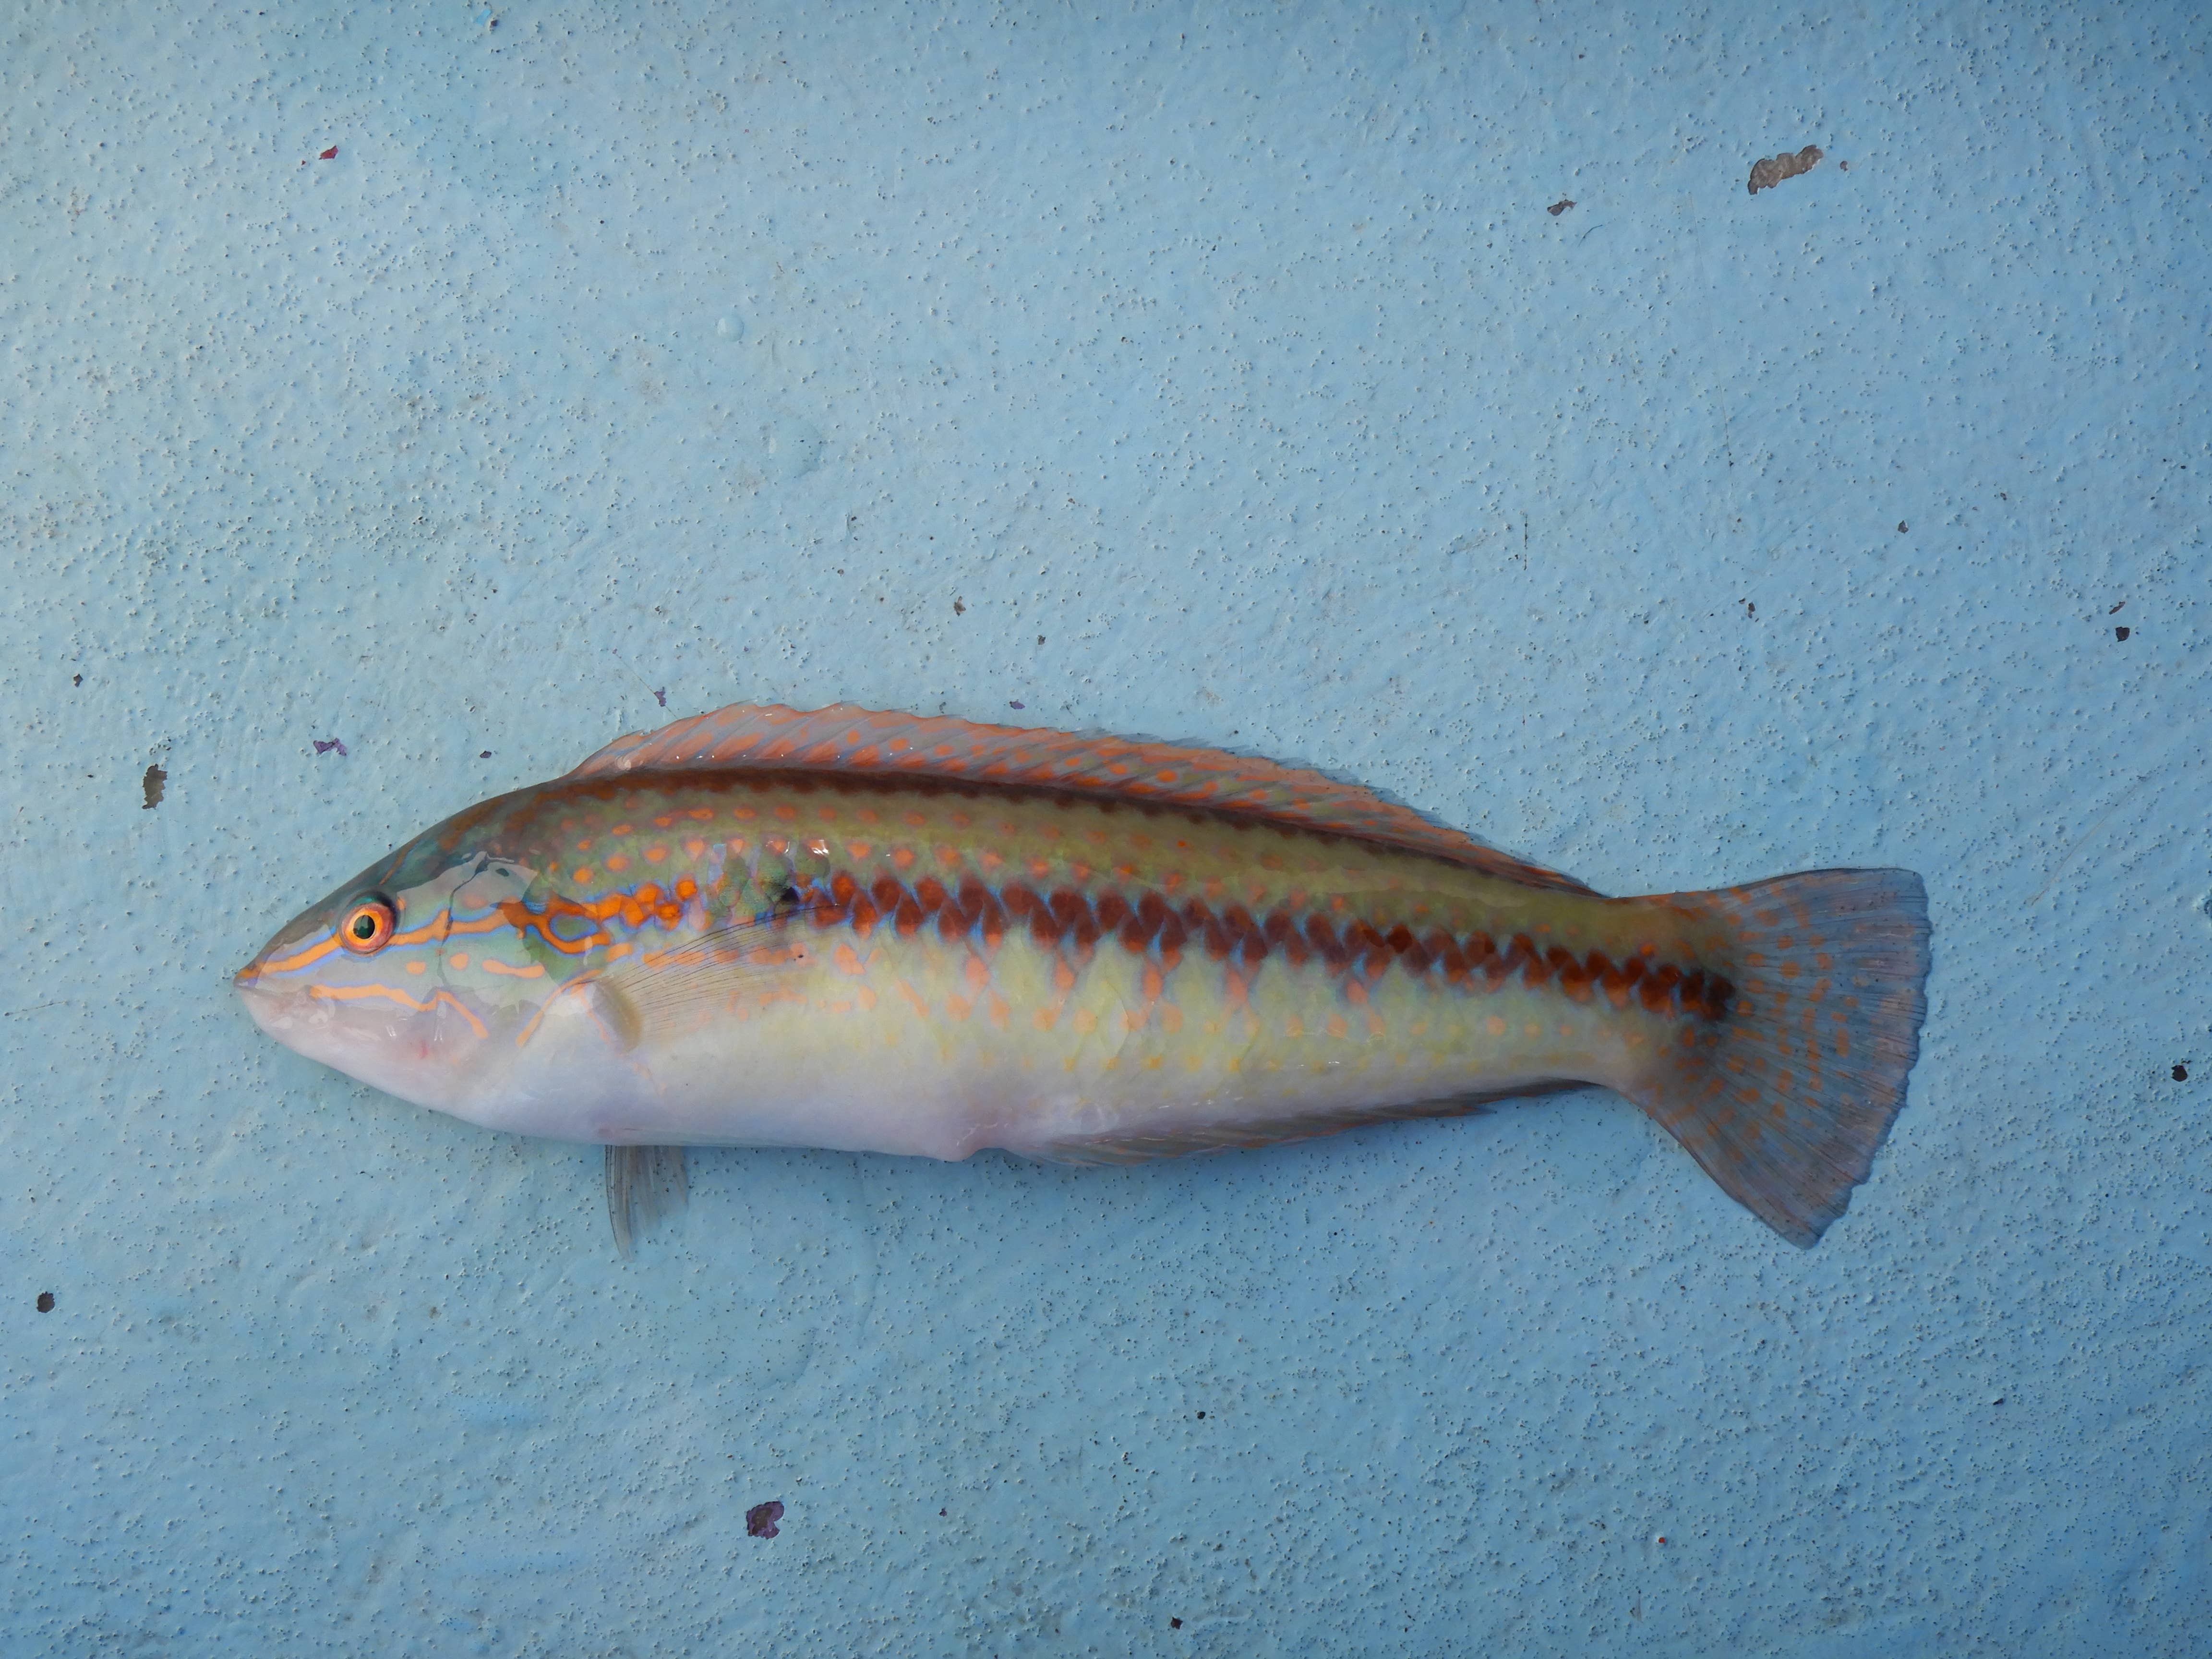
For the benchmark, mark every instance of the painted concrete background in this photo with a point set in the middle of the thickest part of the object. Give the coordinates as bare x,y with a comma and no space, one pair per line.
1192,372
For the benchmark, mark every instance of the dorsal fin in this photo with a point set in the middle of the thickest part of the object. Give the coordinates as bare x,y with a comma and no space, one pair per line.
844,738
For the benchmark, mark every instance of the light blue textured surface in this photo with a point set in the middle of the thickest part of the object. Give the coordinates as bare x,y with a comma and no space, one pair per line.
1177,372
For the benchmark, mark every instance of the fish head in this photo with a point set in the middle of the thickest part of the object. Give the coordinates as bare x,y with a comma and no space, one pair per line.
407,976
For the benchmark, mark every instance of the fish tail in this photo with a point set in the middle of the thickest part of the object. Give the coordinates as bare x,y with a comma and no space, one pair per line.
1790,1085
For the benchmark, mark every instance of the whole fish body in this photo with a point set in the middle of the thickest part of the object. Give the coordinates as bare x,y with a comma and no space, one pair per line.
895,933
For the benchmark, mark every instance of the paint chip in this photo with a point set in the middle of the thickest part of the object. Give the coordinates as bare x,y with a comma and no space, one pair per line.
45,1301
324,745
2180,1073
1559,207
1771,172
2119,633
486,755
330,154
761,1519
1011,703
155,781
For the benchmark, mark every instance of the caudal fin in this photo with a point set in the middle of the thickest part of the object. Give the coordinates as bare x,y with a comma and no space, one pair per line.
1786,1096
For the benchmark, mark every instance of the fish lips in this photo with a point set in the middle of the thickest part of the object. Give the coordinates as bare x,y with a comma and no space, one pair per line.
423,1049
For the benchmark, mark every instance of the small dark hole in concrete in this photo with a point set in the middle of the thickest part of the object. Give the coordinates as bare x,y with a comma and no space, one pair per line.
155,781
2181,1074
2119,633
485,756
45,1301
1202,1417
1900,526
1174,1624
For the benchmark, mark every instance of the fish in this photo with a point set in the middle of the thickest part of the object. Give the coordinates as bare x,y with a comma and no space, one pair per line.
876,932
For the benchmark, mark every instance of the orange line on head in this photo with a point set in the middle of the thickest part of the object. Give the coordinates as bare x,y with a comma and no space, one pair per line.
347,993
299,958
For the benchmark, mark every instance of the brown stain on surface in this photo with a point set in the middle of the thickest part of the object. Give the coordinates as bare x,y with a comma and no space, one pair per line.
1772,170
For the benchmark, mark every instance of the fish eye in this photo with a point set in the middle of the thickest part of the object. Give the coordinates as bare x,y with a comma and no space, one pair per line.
366,927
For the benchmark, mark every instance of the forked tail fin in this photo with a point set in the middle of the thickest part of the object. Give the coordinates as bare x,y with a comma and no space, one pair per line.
1785,1097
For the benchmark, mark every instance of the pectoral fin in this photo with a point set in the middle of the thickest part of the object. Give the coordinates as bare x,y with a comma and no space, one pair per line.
654,995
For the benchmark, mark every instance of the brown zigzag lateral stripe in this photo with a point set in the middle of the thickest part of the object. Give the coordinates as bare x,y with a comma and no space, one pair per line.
1359,951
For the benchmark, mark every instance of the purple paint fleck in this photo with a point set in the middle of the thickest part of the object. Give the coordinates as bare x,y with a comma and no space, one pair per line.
485,756
322,748
661,696
761,1519
1012,704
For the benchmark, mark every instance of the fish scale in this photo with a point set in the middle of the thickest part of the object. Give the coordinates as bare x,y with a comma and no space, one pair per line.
892,933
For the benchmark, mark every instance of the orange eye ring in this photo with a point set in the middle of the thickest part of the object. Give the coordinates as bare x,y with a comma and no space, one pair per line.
366,927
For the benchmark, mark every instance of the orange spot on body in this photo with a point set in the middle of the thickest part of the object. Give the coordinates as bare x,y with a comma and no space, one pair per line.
1337,1027
655,854
617,861
902,857
583,876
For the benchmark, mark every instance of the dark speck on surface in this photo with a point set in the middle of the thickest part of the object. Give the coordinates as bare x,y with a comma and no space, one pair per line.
2119,633
661,696
1012,704
485,756
155,781
959,608
761,1519
1900,526
77,679
45,1301
1559,207
2181,1074
1174,1624
324,745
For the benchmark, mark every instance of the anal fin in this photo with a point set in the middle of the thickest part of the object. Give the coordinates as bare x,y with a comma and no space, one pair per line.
1142,1146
